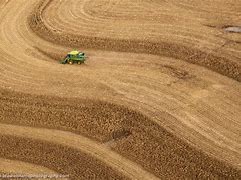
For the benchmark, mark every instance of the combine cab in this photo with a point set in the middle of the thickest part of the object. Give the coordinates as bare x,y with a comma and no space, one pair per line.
74,57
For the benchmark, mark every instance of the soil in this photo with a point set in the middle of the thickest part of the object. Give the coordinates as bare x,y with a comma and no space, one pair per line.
158,97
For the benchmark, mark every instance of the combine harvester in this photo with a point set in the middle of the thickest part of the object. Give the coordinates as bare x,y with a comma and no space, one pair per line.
74,57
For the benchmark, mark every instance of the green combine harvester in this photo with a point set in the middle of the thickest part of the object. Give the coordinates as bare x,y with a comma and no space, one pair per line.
74,57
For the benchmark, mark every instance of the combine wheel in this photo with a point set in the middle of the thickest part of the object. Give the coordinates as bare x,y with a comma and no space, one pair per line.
70,62
78,62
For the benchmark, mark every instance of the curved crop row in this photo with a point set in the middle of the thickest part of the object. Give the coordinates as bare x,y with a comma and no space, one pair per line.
128,132
62,159
216,63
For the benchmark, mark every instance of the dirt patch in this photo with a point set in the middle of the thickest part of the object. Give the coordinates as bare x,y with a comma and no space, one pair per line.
178,73
120,134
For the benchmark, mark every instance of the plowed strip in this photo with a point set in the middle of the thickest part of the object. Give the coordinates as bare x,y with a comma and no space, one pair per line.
56,149
128,131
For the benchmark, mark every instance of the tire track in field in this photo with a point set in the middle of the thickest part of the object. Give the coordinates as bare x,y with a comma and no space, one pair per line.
217,63
111,123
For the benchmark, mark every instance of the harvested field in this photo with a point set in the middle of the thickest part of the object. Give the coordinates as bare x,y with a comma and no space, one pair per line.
158,98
